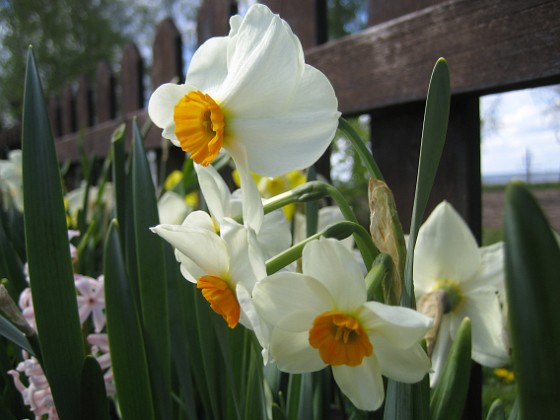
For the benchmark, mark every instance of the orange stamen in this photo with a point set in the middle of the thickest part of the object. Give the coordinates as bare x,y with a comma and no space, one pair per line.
340,339
199,126
221,298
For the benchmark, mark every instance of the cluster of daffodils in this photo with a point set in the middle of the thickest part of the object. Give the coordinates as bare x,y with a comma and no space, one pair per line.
90,297
252,96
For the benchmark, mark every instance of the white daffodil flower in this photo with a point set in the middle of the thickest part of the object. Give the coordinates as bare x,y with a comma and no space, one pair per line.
225,267
252,94
447,258
321,317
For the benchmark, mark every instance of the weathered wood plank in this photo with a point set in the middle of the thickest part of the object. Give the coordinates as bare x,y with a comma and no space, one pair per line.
384,10
105,101
132,85
84,111
491,45
167,54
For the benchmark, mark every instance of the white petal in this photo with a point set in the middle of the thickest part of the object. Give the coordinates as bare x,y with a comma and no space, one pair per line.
491,272
172,208
274,236
265,62
291,300
162,104
332,264
253,212
362,384
208,67
283,142
402,365
441,349
483,309
446,249
205,248
215,191
251,318
293,354
189,269
200,219
401,327
247,263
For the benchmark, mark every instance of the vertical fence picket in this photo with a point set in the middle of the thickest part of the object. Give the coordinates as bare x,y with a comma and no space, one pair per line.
213,19
132,85
68,112
84,110
105,104
54,116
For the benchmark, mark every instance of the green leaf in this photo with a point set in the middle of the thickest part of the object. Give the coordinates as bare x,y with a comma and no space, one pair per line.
450,393
8,330
49,264
94,397
151,278
405,401
178,333
496,411
434,130
128,358
533,285
119,175
11,267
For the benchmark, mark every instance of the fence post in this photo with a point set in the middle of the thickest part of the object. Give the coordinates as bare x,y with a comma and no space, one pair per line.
68,114
54,116
213,18
84,112
132,86
167,64
105,104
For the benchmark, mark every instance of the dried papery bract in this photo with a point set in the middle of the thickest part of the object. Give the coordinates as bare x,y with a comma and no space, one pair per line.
387,235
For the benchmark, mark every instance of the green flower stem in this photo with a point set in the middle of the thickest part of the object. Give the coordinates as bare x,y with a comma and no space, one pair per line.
361,148
316,189
340,230
381,267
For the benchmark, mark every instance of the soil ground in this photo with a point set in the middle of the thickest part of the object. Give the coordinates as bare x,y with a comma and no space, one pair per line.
493,206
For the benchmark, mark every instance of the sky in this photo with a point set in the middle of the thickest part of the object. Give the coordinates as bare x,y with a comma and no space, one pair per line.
521,129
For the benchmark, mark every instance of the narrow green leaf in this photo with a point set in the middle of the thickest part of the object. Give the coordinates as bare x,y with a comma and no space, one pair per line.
178,331
11,267
434,130
119,175
533,286
94,397
404,401
449,396
311,208
151,278
128,358
14,335
496,411
49,264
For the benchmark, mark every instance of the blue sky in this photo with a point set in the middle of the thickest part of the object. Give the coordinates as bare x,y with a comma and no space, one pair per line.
519,124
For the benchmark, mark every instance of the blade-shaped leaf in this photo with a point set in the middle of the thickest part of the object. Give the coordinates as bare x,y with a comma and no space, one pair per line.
151,278
533,286
8,330
128,358
405,401
49,264
449,396
94,398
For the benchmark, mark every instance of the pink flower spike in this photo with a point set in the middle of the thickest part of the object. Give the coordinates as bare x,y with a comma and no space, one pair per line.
91,300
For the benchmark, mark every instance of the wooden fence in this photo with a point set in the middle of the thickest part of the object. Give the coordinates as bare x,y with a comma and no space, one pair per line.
491,46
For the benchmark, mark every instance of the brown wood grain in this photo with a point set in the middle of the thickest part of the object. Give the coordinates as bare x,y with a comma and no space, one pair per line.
490,45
